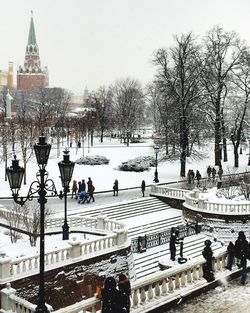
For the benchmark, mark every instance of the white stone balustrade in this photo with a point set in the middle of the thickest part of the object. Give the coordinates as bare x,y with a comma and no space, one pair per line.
167,191
147,293
195,203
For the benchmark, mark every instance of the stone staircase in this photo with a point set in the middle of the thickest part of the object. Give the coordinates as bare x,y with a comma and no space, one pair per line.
124,210
147,263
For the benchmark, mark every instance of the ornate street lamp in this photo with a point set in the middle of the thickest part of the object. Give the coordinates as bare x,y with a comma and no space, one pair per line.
156,148
40,186
66,168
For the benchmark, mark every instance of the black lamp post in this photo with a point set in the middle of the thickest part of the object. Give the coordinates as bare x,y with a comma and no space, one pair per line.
66,168
40,186
156,148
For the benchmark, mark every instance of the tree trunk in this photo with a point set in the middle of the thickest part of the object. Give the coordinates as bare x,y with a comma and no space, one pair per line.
236,157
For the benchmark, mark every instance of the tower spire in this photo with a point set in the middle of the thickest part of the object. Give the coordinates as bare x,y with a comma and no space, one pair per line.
32,34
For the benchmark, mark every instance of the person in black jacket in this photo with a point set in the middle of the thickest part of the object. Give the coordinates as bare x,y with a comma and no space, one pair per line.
241,253
112,299
143,187
125,289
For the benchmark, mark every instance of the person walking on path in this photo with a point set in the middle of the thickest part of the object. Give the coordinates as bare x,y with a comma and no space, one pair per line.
115,188
192,175
241,253
112,299
213,174
125,288
83,185
198,177
209,171
189,177
220,172
74,189
91,190
143,187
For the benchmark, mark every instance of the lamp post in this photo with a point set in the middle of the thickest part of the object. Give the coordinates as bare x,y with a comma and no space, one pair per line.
40,186
66,168
156,148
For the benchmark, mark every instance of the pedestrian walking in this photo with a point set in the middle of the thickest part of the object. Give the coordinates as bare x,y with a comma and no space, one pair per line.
208,266
213,174
91,190
220,172
74,189
112,299
125,288
242,253
189,177
143,187
230,255
209,171
192,175
116,187
83,185
198,177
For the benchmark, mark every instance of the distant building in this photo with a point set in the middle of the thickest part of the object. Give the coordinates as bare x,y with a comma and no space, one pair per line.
31,76
6,77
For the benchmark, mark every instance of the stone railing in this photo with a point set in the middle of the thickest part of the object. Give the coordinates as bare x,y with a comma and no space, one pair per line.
167,191
29,265
147,293
195,203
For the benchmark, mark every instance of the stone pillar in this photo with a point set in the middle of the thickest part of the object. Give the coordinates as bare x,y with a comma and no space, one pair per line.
122,236
75,250
5,300
4,266
101,221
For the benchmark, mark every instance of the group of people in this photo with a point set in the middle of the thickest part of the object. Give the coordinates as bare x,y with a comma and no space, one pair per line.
115,300
211,173
83,191
241,251
191,176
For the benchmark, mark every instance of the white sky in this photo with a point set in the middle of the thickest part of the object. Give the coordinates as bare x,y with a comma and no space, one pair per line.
94,42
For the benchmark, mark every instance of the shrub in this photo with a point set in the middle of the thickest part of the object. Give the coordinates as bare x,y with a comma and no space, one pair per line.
139,164
93,160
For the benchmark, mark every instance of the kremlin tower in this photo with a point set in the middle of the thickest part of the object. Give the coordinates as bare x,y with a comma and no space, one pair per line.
31,76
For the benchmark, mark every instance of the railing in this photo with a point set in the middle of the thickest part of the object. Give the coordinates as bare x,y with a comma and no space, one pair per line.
194,203
167,191
147,293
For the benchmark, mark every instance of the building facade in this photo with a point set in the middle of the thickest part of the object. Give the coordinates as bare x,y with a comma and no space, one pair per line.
31,76
6,77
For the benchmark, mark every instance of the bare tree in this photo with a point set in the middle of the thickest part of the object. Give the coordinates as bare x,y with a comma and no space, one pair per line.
222,54
13,216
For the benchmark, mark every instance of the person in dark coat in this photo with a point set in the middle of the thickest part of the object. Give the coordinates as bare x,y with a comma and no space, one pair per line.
189,174
74,189
112,299
91,190
192,175
209,171
115,187
241,253
198,177
174,239
220,172
125,288
83,185
230,255
213,173
143,187
208,266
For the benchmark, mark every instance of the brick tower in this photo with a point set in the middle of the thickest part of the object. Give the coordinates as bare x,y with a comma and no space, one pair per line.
31,76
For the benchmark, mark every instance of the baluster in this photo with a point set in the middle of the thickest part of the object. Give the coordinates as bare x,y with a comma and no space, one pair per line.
36,262
67,254
57,256
189,276
95,246
183,279
177,281
150,293
170,285
30,264
200,272
223,262
90,248
46,259
157,291
218,264
12,269
135,299
24,266
18,268
93,309
164,287
63,255
143,296
195,274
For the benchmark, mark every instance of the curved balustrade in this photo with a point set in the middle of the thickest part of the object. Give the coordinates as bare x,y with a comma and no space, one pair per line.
195,203
148,292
